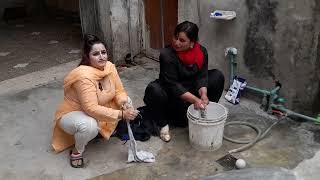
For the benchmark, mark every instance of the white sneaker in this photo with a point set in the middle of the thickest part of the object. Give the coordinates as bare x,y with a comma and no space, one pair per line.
164,133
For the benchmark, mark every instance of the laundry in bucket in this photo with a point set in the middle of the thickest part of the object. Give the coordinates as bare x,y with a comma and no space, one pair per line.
206,134
234,92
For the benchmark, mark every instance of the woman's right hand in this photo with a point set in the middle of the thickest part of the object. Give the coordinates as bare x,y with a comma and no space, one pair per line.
198,104
129,114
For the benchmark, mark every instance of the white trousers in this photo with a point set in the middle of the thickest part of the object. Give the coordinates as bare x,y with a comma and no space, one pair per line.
83,127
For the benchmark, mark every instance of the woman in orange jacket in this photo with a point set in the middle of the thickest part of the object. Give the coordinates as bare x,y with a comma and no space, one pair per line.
94,102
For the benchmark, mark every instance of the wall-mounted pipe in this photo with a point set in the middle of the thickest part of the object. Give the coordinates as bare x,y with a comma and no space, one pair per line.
258,90
232,62
294,114
271,98
232,66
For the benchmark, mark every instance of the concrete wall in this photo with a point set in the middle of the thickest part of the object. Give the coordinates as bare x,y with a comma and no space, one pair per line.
120,30
276,40
109,20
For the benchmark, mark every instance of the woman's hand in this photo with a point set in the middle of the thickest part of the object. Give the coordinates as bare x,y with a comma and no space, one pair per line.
198,104
204,96
129,114
127,104
205,100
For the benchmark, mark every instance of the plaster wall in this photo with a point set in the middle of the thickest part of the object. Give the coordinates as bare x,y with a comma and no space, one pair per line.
276,40
123,41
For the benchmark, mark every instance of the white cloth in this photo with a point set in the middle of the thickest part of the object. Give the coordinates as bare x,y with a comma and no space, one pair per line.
133,154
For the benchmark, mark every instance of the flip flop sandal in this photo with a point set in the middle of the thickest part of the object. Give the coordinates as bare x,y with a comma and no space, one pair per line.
75,157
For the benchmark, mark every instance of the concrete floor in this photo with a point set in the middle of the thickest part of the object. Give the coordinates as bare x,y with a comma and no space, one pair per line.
28,102
37,43
26,126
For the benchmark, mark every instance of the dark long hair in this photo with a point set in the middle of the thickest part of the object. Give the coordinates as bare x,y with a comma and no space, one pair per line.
89,41
189,28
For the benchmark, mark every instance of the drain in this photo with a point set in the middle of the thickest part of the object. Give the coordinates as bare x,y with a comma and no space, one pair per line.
228,162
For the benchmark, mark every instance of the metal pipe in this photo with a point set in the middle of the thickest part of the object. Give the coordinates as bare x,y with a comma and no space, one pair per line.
272,93
302,116
275,90
258,90
291,113
231,76
232,64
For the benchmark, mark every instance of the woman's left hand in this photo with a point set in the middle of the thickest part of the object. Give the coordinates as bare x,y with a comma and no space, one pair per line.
126,106
203,95
205,100
129,114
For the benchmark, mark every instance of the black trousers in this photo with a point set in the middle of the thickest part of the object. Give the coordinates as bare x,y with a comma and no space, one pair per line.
166,109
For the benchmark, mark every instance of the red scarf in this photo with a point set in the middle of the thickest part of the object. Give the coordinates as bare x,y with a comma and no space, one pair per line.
192,56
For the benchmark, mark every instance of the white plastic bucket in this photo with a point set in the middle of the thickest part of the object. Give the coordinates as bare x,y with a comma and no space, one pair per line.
206,134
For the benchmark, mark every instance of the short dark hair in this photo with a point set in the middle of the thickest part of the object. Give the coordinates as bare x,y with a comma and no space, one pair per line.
89,41
191,30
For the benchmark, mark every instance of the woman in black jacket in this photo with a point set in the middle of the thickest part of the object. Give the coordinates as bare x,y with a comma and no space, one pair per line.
184,79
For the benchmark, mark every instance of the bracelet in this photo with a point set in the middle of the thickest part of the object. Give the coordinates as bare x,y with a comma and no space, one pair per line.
122,115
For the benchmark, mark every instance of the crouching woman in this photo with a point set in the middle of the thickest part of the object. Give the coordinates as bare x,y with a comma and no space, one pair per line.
184,79
94,102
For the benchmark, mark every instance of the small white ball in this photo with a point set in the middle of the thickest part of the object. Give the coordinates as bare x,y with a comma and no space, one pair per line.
240,163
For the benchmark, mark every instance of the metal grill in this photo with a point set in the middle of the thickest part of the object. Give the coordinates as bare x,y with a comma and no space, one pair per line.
228,162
